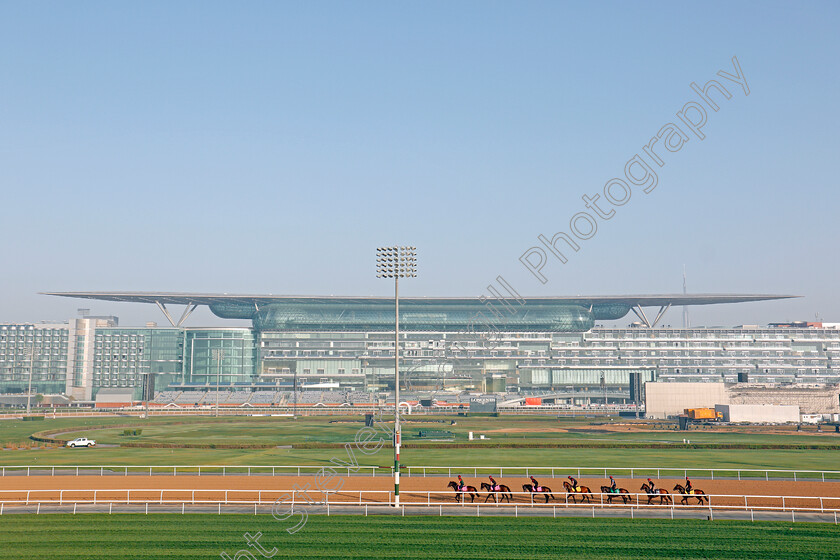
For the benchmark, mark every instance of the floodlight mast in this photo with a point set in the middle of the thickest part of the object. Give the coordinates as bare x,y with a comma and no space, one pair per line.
396,262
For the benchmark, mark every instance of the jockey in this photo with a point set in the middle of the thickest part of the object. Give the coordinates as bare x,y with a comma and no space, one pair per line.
461,483
493,483
535,483
687,485
613,485
574,483
652,486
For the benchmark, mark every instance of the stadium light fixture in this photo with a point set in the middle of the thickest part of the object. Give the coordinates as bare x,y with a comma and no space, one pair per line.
396,262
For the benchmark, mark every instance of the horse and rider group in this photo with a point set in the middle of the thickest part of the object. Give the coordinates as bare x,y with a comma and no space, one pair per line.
574,490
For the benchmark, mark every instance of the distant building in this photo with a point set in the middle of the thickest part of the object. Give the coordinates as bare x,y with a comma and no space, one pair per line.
344,343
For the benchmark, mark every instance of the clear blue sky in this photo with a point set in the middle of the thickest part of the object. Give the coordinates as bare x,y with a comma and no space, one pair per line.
269,147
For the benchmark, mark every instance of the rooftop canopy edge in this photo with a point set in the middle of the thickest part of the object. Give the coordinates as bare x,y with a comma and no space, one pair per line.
560,313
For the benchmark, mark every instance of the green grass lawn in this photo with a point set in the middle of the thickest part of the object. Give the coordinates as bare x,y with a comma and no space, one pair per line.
172,536
646,449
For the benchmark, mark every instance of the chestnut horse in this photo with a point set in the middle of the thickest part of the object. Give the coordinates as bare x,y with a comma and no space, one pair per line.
584,491
663,495
695,493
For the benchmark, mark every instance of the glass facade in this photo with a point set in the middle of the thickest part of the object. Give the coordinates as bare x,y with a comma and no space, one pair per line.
85,355
145,359
48,361
224,356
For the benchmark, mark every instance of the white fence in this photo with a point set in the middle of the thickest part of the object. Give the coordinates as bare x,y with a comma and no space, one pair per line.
713,473
179,470
239,497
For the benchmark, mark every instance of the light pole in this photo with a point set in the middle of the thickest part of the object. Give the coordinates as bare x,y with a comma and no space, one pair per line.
396,262
218,355
30,351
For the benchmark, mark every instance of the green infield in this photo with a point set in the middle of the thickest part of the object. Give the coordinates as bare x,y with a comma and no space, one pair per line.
510,441
139,537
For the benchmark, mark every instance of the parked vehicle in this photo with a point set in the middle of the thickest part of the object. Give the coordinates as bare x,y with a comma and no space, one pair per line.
81,442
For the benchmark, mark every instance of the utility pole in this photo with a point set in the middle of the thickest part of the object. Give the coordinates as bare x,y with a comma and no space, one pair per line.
396,262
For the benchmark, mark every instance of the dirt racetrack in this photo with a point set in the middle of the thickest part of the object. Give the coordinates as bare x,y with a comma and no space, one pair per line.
373,490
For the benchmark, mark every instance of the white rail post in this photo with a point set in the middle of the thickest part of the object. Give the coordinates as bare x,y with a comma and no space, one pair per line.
60,497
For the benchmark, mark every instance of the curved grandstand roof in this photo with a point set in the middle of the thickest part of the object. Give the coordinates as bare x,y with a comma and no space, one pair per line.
181,298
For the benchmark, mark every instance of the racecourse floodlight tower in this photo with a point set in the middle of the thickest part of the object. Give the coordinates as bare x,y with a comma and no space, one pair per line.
396,262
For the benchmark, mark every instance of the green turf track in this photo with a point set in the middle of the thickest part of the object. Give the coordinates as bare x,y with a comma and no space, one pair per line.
508,430
93,537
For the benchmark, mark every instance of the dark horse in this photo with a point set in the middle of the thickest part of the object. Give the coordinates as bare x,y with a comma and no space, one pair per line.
544,490
503,488
584,491
699,494
664,497
469,490
622,493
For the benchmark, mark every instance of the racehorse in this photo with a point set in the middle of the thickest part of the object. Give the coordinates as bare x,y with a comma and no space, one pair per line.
459,493
544,490
622,493
503,488
584,491
663,495
695,493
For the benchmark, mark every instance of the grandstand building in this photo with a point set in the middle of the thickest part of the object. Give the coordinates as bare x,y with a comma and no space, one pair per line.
342,344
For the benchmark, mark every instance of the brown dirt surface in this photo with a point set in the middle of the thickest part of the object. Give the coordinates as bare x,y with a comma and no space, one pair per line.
13,489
